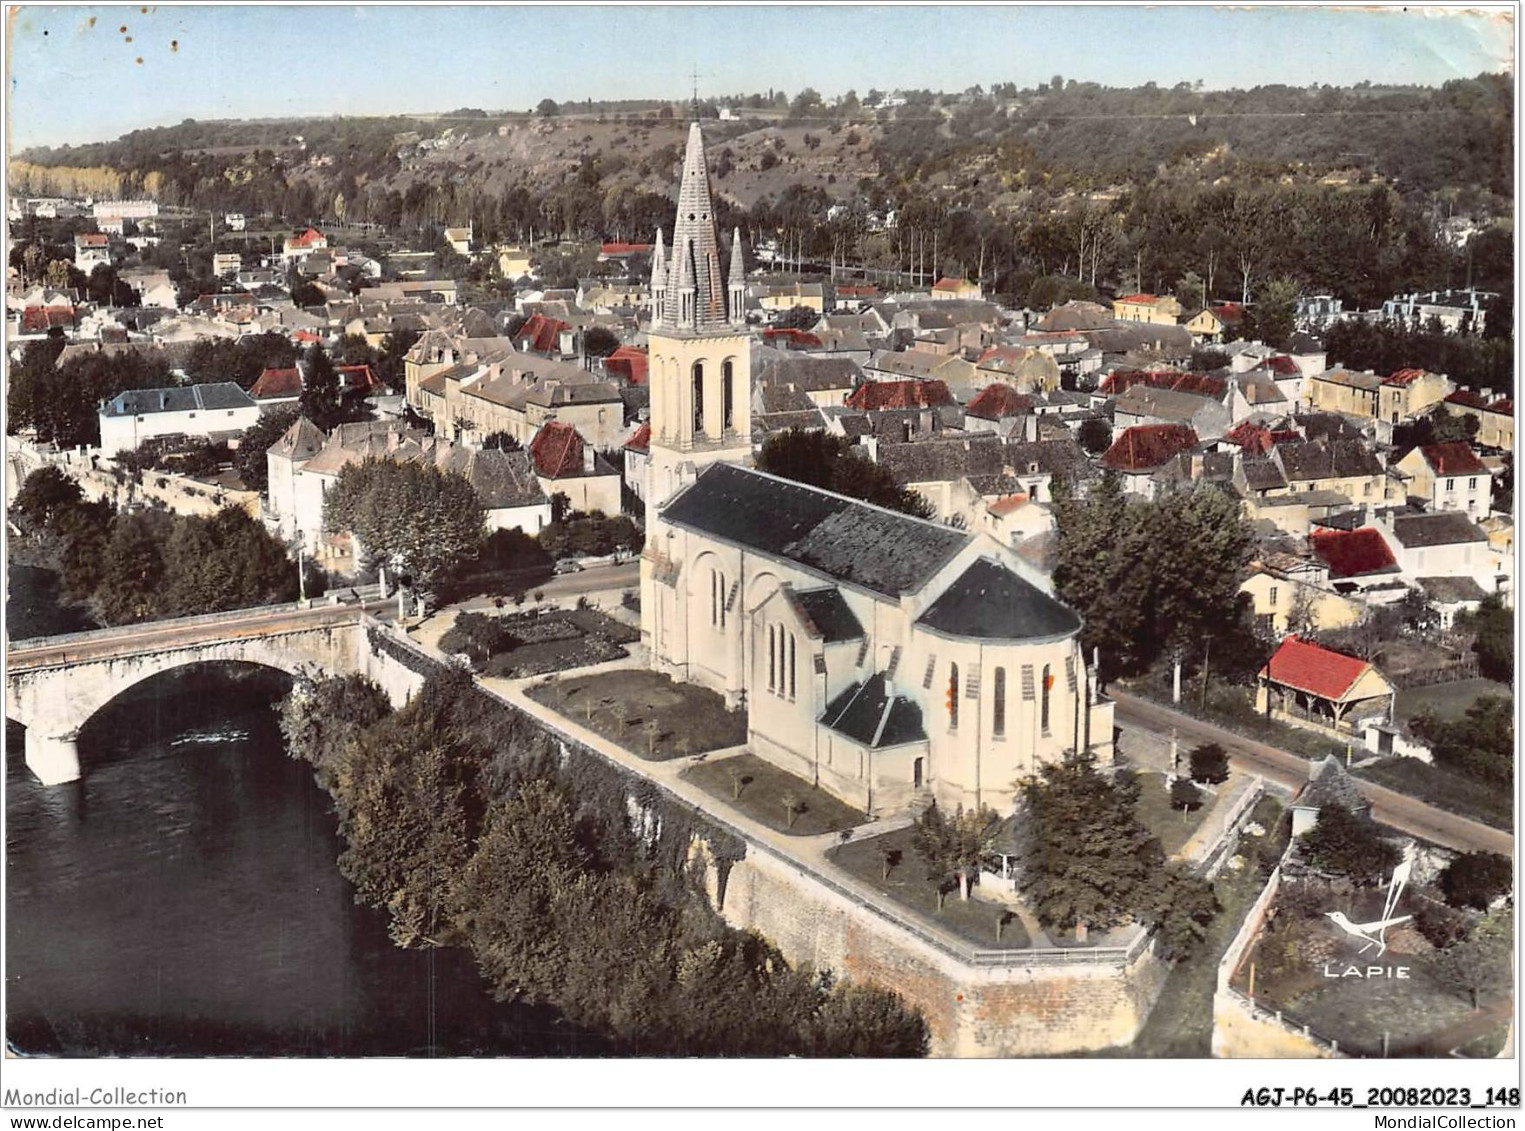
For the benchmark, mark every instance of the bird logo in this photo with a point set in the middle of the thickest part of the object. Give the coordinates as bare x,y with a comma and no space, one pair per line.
1374,934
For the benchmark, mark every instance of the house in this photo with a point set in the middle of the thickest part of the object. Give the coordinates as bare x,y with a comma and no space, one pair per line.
1452,595
1457,311
542,335
621,252
298,247
637,452
276,386
226,263
1355,559
1143,404
459,239
153,286
235,221
566,465
1348,467
1448,477
514,262
786,296
1030,370
1313,686
1346,391
995,407
961,288
627,364
827,381
1161,310
1138,452
1328,785
874,395
1406,393
1292,594
1494,415
1447,544
91,249
219,409
1213,323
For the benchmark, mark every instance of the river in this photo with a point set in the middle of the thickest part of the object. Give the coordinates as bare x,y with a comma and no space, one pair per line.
183,899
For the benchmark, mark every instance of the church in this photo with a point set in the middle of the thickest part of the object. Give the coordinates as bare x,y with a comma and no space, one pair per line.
889,660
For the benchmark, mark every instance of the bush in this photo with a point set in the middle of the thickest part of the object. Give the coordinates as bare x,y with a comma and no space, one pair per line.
1209,763
478,636
1342,843
1476,879
1440,925
1185,795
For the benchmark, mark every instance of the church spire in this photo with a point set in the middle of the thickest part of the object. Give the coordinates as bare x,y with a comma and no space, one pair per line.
737,287
696,247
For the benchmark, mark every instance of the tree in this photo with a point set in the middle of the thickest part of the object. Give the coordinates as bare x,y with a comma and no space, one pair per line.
1095,435
1476,879
252,464
1481,963
1185,795
954,848
599,342
1480,744
547,108
1191,292
798,318
307,293
408,515
1209,763
822,460
320,401
1494,643
1276,311
44,497
1344,844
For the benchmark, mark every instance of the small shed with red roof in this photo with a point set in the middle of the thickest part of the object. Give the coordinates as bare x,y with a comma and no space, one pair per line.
628,363
1305,683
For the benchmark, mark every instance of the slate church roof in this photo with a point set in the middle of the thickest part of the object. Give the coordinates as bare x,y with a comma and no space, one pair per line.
990,602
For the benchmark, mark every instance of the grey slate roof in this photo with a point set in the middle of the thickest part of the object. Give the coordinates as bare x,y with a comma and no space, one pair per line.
1444,528
1448,590
811,374
826,610
1331,785
191,398
990,602
884,552
867,714
1320,459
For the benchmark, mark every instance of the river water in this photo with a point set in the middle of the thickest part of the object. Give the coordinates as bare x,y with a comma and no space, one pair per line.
183,899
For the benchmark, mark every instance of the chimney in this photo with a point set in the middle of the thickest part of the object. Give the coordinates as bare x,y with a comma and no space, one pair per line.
889,688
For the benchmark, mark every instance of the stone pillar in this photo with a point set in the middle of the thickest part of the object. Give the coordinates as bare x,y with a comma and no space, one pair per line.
55,760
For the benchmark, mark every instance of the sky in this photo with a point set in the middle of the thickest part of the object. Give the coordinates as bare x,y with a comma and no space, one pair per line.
75,75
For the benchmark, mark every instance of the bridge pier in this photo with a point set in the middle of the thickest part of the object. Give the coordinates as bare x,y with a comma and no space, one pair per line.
55,760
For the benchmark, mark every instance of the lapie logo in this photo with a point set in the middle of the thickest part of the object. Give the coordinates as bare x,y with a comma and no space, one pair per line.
1374,933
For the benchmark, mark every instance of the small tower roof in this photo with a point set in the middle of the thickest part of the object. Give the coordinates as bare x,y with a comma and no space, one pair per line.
738,269
696,245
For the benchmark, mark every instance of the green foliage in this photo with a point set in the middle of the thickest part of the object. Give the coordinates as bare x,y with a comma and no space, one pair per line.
1480,964
1050,291
45,496
594,534
597,341
547,108
1087,858
479,636
61,403
321,397
411,515
1476,879
953,847
252,466
242,361
1494,645
1184,794
1342,843
1385,347
1209,763
822,460
1151,578
797,318
1480,744
1095,435
461,822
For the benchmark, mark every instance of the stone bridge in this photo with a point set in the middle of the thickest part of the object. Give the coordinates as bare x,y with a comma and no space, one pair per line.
53,685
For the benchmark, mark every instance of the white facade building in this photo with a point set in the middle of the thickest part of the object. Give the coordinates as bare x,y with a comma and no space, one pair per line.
137,415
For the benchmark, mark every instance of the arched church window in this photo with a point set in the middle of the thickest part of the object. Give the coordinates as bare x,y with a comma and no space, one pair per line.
772,657
1048,687
953,697
1000,702
728,391
698,398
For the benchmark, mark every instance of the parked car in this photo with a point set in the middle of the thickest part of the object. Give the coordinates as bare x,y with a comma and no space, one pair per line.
569,565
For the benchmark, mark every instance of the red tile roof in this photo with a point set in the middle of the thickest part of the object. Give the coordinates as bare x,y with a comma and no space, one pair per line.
1250,437
1142,296
277,383
858,290
996,401
1353,553
900,394
46,317
310,236
1504,406
618,248
543,334
1121,380
91,239
792,338
1454,458
307,336
947,284
354,378
1147,446
628,362
1469,398
1283,366
1307,667
557,450
1403,377
641,441
1228,312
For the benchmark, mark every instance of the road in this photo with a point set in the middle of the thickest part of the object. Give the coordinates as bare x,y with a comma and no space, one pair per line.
1404,813
130,639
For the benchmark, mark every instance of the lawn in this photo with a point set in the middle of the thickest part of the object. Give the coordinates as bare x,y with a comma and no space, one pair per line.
1173,826
1489,1045
1448,700
763,788
648,714
1233,708
908,885
1445,788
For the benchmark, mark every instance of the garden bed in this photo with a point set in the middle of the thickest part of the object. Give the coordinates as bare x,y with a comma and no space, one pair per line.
649,714
762,791
537,643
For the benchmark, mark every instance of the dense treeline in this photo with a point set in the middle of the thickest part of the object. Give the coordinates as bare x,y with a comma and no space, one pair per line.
131,566
61,402
569,883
